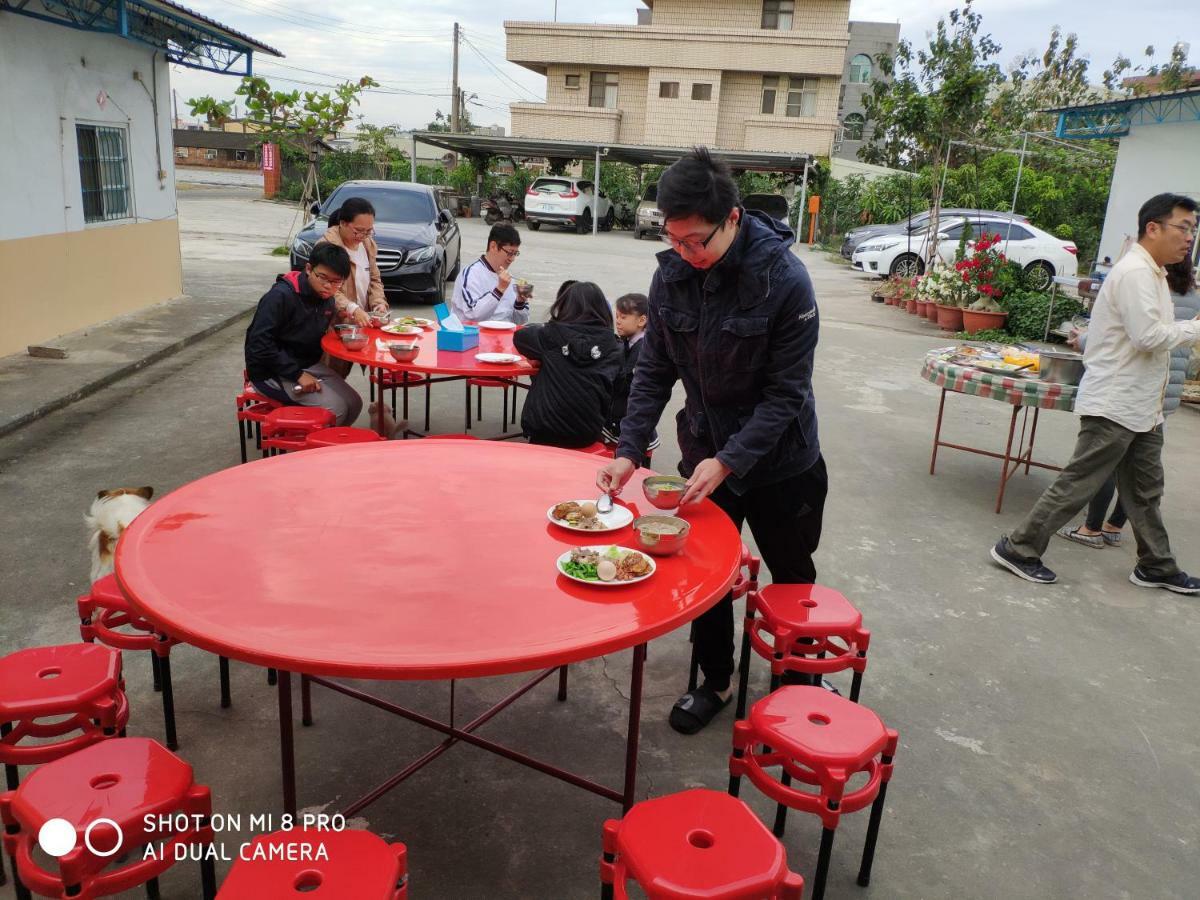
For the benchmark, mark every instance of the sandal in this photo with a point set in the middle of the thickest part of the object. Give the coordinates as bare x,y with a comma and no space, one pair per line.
1094,541
696,709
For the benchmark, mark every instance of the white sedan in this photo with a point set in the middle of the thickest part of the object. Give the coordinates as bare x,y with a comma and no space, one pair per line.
1039,252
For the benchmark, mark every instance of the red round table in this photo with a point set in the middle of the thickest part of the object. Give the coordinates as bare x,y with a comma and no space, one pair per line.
431,361
261,563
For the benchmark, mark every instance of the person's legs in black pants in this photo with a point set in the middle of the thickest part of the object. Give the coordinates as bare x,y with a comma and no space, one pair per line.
785,519
1098,508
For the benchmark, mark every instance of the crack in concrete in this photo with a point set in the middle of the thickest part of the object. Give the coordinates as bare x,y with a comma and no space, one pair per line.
616,685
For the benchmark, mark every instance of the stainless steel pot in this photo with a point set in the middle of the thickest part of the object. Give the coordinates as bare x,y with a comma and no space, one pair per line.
1061,367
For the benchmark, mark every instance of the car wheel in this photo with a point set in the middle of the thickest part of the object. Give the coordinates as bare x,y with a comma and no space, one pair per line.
533,226
907,265
583,225
440,281
609,218
1038,275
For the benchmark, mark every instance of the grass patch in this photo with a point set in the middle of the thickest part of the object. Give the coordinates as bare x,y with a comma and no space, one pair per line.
280,251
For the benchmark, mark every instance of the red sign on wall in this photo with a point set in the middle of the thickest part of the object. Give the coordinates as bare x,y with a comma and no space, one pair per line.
269,158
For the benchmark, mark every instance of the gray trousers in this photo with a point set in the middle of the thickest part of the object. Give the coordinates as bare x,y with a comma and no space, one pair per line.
335,395
1104,447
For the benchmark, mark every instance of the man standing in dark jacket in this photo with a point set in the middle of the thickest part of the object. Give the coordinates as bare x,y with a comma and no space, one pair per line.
283,342
732,314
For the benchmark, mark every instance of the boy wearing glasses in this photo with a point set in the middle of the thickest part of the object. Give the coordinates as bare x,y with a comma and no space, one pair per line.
283,342
732,314
484,290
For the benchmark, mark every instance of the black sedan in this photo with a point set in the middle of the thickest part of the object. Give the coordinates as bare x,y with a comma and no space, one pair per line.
418,238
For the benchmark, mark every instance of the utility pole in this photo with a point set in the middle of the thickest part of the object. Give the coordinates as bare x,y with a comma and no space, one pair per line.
175,107
454,86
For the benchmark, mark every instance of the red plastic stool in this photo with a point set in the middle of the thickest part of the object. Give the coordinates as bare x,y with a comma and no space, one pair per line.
402,382
252,409
479,384
357,864
746,584
286,428
104,789
452,437
695,844
335,437
105,616
80,681
805,628
597,449
822,740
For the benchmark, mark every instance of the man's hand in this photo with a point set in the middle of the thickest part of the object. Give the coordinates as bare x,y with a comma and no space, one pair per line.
308,383
505,279
613,476
706,479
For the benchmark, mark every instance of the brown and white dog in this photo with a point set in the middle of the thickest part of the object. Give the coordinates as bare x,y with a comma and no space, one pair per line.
111,513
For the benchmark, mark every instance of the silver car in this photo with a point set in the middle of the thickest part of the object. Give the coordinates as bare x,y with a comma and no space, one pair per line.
649,218
855,236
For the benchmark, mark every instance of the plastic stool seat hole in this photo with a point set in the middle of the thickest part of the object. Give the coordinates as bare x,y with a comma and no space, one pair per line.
809,604
701,839
52,672
104,782
819,719
308,880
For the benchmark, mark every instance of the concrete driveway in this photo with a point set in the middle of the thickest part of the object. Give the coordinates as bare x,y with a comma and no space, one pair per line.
1048,735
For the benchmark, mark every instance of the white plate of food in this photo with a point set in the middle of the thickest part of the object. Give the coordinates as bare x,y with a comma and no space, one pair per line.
495,325
581,515
606,565
401,328
415,321
498,359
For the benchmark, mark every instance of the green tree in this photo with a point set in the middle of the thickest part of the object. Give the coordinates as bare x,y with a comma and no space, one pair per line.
376,142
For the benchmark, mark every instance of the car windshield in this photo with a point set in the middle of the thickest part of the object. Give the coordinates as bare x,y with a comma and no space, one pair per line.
550,186
394,206
651,192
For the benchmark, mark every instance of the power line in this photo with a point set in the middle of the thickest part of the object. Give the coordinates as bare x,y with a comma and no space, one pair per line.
333,28
272,7
383,84
497,70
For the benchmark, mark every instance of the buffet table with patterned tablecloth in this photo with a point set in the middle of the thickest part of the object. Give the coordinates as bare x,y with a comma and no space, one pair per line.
1023,393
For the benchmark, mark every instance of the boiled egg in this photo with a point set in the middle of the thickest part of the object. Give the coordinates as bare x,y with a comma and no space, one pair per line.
588,508
606,570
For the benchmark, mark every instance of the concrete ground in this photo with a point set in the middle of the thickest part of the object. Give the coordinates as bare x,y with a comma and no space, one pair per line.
1048,734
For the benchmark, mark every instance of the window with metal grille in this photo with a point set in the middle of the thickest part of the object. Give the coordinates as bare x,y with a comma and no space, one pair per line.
770,88
104,172
802,96
852,127
668,89
701,91
777,14
571,82
860,69
602,90
210,154
241,155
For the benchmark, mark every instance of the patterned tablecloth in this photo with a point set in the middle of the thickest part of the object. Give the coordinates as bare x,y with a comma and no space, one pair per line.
1017,391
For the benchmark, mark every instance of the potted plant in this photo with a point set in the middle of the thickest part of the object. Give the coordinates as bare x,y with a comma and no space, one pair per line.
945,288
910,296
989,276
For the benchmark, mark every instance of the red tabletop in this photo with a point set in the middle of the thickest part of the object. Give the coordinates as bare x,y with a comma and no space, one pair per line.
431,360
454,574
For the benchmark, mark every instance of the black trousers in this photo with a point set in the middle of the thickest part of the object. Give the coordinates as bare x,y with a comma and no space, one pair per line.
785,519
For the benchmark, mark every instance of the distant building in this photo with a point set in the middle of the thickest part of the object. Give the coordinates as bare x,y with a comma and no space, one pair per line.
868,41
217,149
91,228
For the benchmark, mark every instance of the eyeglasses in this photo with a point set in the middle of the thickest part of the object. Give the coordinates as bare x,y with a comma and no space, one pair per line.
334,283
691,247
511,254
1186,229
361,232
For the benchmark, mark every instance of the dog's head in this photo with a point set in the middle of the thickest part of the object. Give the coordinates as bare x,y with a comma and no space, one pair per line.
144,492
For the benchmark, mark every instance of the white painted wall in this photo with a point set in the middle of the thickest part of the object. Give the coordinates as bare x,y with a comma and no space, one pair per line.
50,77
1152,159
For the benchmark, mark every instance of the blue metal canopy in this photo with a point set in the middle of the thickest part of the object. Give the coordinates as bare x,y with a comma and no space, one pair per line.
1114,118
185,37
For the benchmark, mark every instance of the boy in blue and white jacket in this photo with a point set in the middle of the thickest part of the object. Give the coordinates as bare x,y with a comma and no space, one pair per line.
484,290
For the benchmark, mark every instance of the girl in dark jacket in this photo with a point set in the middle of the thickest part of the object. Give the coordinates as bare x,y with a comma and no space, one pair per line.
569,402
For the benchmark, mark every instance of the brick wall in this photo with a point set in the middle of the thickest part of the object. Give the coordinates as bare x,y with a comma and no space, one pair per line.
197,156
810,15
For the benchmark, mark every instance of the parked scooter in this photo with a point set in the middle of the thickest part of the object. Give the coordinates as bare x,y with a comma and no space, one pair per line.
501,208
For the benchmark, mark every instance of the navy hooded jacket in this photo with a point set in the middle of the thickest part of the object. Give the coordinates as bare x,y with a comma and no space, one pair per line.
741,336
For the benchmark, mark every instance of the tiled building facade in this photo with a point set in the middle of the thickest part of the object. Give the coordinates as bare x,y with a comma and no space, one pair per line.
868,40
739,75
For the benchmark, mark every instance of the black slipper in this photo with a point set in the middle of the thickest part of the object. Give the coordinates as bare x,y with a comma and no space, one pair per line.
696,709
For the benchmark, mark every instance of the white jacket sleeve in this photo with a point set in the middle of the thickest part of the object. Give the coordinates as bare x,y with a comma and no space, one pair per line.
1141,314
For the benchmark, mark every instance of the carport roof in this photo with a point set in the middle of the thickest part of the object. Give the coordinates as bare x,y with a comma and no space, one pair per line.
634,154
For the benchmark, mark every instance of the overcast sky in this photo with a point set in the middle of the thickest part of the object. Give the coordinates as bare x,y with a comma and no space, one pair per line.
407,46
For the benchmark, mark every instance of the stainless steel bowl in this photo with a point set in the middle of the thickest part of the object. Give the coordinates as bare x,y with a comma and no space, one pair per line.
379,319
1061,367
404,352
664,491
353,337
661,544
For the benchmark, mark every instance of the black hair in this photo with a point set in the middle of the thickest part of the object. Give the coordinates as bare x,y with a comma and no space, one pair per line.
504,236
1181,276
697,185
350,210
633,305
1159,207
583,303
562,288
332,257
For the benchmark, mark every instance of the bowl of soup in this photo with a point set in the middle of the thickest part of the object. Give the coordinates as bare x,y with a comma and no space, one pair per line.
404,352
664,491
353,337
661,535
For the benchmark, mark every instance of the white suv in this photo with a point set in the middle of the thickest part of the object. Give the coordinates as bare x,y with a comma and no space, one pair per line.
562,200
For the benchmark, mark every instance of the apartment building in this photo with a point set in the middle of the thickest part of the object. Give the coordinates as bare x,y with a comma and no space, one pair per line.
868,41
753,75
